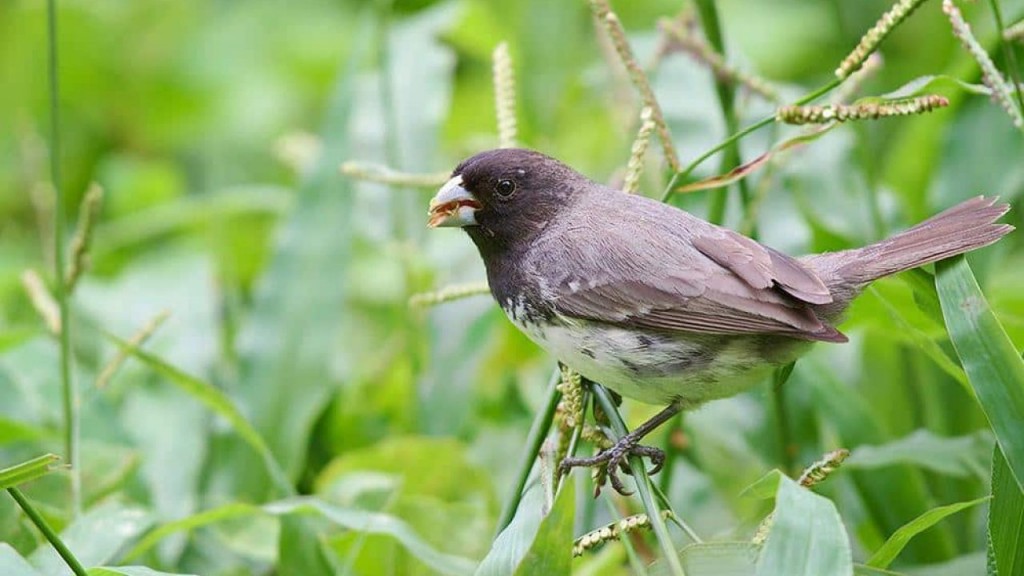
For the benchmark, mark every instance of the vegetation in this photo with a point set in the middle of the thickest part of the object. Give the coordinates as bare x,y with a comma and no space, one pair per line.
221,309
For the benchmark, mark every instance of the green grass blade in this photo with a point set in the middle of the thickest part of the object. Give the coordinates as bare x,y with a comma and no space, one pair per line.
957,456
12,564
211,397
895,544
719,558
199,520
379,523
1006,519
26,471
551,551
291,338
131,571
807,536
993,365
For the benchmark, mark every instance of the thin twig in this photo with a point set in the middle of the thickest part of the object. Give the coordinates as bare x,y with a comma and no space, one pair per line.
386,175
448,294
679,38
44,303
137,340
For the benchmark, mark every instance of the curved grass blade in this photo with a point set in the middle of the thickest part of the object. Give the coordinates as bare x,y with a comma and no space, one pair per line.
217,401
26,471
895,544
993,365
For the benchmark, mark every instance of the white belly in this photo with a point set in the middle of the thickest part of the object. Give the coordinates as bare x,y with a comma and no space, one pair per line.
652,367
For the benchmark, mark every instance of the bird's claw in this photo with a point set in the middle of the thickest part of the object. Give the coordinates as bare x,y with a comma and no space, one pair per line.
617,458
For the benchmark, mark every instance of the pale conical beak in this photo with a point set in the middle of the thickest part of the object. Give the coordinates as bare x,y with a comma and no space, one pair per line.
453,206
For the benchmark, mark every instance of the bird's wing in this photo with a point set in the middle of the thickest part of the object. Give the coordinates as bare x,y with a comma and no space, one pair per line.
670,271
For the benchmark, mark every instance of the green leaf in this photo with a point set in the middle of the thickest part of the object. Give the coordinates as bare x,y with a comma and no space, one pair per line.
1005,519
895,544
862,570
95,537
300,547
194,522
807,536
551,551
719,558
960,456
513,543
375,523
215,400
131,571
12,564
993,365
290,339
26,471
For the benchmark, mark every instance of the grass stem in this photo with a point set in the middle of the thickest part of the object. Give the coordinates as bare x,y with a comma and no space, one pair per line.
48,532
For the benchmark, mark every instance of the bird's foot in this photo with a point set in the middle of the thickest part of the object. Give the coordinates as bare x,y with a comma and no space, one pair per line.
617,458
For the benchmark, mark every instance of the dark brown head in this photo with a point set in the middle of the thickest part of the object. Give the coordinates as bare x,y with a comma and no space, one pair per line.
505,196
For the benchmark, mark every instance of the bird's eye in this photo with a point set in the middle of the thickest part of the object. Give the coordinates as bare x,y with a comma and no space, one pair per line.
505,188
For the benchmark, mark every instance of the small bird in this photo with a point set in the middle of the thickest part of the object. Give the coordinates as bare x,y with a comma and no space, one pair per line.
655,303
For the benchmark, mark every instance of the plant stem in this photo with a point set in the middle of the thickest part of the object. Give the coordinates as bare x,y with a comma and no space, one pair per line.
782,426
48,532
643,484
678,177
70,392
538,431
671,453
727,102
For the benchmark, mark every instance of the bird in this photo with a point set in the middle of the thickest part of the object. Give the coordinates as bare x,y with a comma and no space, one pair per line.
655,303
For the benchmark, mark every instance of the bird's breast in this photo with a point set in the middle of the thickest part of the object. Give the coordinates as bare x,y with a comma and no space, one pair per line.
649,366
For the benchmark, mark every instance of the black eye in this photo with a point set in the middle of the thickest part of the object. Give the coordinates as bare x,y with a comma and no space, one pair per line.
505,188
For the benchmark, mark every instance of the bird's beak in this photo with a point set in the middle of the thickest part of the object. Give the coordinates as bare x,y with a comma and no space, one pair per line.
453,206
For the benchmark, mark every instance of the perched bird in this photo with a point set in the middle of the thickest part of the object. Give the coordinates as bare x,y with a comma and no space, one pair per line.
655,303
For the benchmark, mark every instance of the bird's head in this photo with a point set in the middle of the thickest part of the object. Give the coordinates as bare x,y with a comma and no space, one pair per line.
504,196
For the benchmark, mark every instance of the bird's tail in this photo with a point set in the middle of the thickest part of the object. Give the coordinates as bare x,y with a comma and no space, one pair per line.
964,227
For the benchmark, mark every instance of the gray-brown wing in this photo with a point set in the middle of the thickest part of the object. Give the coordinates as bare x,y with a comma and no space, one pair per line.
658,272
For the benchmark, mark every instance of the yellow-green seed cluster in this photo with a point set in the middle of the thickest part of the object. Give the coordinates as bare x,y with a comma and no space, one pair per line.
859,111
504,96
612,531
870,41
817,472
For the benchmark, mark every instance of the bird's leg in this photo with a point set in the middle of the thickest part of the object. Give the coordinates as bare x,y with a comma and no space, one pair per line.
617,457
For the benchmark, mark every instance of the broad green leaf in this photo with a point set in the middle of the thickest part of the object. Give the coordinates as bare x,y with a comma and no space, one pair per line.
967,564
551,551
26,471
862,570
375,523
992,363
892,547
719,558
807,537
960,456
300,547
131,571
1005,519
513,543
215,400
12,564
193,522
95,537
220,207
290,339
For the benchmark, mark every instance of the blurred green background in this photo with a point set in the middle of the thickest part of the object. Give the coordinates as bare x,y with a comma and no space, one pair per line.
216,130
